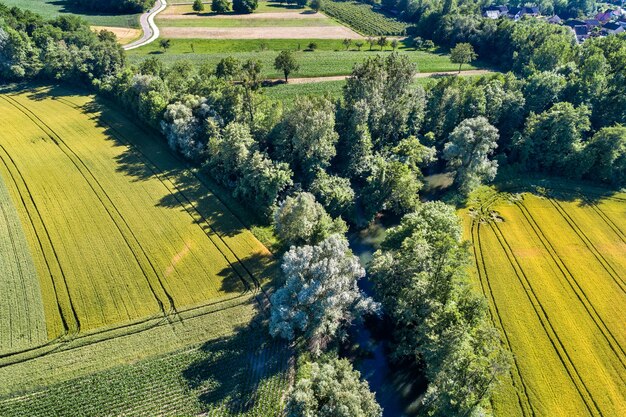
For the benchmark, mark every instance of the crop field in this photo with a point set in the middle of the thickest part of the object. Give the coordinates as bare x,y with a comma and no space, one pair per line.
331,58
112,249
363,18
177,22
51,9
551,261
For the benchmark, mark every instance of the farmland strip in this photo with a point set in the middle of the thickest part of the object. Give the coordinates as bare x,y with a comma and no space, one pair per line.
77,163
558,345
488,291
198,217
575,286
589,244
55,272
618,231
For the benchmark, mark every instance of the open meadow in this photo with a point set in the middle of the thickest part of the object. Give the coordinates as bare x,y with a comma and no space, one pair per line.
51,9
550,260
329,59
115,252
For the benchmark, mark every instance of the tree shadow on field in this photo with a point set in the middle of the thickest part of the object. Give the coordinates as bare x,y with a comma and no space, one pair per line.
240,374
584,193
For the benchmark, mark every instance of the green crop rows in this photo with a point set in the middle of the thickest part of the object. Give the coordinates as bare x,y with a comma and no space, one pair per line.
363,18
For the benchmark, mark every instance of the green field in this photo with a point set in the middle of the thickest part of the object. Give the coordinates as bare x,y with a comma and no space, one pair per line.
551,262
331,57
116,252
363,18
51,9
179,7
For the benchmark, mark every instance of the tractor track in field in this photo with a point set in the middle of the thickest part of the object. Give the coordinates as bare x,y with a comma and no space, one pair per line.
575,286
609,222
606,265
549,329
62,314
60,345
160,175
485,284
76,161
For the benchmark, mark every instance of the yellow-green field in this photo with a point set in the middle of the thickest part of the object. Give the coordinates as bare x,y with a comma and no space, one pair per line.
552,264
111,249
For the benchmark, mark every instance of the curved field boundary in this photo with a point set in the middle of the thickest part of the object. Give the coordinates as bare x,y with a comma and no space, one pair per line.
574,285
116,217
198,217
579,384
516,376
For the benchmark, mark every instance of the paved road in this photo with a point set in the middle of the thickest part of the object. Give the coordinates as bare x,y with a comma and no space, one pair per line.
418,75
150,29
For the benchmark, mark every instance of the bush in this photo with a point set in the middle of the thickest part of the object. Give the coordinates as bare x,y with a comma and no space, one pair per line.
245,6
220,6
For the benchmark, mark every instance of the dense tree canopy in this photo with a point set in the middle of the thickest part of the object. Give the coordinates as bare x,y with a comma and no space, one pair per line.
320,294
420,276
331,388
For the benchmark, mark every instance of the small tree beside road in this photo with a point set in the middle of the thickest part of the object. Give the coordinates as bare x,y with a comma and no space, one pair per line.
462,53
286,62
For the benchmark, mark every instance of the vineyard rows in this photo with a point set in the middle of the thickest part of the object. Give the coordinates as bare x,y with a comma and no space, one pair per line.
363,18
552,268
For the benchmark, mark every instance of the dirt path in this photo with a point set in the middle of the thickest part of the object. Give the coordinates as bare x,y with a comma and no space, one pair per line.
418,75
150,29
309,32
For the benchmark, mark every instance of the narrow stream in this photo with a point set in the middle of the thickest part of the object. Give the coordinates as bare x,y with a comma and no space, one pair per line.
397,386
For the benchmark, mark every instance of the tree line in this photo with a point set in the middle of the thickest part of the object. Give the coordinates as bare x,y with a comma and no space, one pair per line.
112,6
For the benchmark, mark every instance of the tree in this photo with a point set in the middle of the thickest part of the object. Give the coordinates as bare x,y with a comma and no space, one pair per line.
165,44
198,6
359,45
220,6
390,185
605,156
320,294
228,152
467,151
245,6
262,181
301,220
552,141
382,42
371,41
301,3
316,5
462,53
306,137
420,275
335,193
394,105
394,44
347,42
312,46
331,388
228,68
286,62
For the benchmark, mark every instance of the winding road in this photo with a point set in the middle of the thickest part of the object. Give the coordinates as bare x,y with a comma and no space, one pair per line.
149,28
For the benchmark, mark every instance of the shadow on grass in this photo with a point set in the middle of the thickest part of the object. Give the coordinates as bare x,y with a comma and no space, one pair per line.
66,7
240,374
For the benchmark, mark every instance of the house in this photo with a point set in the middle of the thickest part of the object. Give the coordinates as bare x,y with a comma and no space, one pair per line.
605,16
581,32
592,23
495,12
573,23
555,20
516,13
613,28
